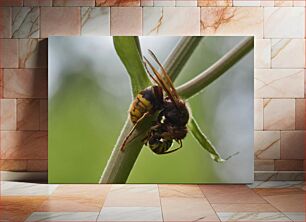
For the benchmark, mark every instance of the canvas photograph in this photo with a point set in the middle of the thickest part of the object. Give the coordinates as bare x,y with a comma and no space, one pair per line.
166,109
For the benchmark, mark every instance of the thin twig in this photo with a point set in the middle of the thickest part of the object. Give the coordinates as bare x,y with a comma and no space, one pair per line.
202,80
180,55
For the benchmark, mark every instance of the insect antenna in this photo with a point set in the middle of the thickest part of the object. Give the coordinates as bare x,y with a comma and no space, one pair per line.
161,82
152,77
165,75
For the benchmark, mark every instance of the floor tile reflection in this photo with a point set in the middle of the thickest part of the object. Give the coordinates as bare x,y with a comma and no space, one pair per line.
130,214
251,216
18,208
296,216
9,188
63,216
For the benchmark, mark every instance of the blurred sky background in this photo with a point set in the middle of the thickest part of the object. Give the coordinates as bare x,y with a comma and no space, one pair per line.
89,97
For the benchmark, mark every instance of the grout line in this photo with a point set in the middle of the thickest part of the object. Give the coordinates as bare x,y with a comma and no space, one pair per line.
109,190
209,203
161,208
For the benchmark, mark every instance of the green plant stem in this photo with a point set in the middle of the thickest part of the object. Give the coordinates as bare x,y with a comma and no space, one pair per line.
120,164
129,51
179,56
198,83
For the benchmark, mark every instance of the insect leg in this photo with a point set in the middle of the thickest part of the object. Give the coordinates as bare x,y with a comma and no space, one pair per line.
122,148
171,151
181,144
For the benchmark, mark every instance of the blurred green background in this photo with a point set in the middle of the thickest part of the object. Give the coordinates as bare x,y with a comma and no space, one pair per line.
89,96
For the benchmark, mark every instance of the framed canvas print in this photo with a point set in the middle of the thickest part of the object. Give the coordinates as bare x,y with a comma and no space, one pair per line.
173,109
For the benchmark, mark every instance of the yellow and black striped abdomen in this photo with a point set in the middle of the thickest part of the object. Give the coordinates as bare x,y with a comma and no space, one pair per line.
139,107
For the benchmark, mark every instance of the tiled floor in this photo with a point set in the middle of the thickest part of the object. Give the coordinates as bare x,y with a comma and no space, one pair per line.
261,201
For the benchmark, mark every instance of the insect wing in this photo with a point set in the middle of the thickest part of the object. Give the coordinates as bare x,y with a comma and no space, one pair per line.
160,81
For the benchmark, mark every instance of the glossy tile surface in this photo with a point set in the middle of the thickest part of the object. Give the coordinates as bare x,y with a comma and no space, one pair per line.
52,16
133,196
173,202
25,22
130,214
63,216
18,208
232,21
230,194
171,21
95,21
126,21
285,200
274,216
9,188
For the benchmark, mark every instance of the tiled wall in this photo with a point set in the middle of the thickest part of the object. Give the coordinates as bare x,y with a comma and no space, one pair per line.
278,26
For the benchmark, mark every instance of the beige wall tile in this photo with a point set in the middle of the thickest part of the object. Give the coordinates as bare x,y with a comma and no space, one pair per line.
258,114
27,114
289,165
163,3
8,114
43,114
186,3
300,114
305,83
37,165
73,2
146,2
292,145
215,3
262,53
267,145
8,53
4,3
37,2
246,3
24,145
279,114
232,21
25,22
284,22
25,83
51,17
283,49
299,3
171,21
118,3
264,165
280,3
5,22
95,21
266,3
33,53
1,83
126,21
13,165
279,83
278,175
